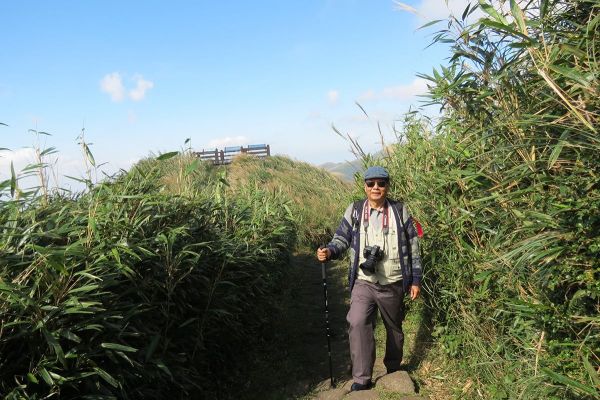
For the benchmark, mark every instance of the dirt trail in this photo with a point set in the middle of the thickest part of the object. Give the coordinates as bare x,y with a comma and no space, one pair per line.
298,355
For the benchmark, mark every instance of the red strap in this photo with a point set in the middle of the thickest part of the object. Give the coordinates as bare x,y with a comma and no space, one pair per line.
418,227
386,217
366,213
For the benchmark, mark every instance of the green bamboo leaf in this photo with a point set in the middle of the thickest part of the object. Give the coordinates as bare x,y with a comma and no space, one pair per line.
15,323
572,383
152,347
193,166
88,154
46,376
60,379
567,48
430,23
106,376
504,28
70,335
48,151
491,11
518,15
13,180
593,23
166,156
88,275
164,368
591,371
80,180
86,288
557,149
33,167
543,8
124,357
52,342
572,74
480,277
120,347
4,185
466,12
31,378
187,322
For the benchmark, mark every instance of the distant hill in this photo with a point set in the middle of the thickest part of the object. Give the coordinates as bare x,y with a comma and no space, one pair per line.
344,170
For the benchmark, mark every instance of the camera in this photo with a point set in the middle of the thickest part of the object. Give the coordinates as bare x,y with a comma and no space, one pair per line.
373,254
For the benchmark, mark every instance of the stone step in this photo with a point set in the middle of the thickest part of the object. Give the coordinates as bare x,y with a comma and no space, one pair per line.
398,382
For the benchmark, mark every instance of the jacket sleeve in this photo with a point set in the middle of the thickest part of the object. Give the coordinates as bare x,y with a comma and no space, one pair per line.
415,254
343,235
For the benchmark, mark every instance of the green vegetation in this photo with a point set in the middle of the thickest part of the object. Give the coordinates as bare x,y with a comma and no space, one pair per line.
508,189
308,189
159,283
154,284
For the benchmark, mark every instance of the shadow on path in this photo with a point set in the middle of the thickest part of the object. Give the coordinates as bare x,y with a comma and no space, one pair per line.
295,356
295,359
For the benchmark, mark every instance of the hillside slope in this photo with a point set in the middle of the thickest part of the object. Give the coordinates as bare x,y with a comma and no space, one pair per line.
316,197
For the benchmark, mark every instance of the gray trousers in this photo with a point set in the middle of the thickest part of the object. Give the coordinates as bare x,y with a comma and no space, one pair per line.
366,298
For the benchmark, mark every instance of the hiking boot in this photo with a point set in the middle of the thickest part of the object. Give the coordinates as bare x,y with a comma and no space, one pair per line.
359,386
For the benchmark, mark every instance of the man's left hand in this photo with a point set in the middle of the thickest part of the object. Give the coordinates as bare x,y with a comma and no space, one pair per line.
414,291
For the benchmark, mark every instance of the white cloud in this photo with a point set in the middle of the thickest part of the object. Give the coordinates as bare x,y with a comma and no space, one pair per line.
429,10
142,85
404,92
59,167
368,95
401,92
438,9
113,85
228,141
333,96
20,158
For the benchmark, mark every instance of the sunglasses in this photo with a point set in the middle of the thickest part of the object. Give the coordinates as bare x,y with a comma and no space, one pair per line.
381,184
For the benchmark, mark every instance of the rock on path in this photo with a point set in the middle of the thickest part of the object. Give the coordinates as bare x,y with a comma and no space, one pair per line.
398,382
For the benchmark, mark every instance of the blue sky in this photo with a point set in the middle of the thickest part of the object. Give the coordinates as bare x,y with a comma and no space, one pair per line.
143,76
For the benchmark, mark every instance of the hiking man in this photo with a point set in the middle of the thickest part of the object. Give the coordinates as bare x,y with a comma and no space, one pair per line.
385,264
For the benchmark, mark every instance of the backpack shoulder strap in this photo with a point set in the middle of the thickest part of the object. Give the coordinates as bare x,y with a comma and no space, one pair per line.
398,206
357,209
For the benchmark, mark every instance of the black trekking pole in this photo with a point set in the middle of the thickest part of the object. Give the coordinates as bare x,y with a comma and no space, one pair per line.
323,263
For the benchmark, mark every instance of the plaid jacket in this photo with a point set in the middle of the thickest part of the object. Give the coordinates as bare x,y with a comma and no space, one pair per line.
348,236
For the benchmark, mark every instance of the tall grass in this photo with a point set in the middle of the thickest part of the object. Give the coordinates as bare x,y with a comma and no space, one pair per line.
508,188
134,290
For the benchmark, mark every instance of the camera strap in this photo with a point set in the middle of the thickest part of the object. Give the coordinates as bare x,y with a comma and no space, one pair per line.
386,216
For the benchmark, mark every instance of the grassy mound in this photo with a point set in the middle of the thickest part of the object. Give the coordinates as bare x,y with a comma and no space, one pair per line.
317,198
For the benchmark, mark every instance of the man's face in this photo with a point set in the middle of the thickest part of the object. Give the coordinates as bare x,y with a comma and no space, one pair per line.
376,189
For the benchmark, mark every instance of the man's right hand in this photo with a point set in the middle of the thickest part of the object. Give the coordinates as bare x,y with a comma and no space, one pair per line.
323,254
